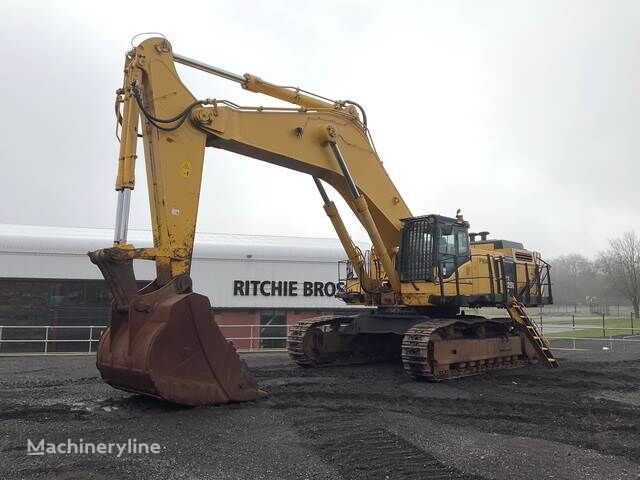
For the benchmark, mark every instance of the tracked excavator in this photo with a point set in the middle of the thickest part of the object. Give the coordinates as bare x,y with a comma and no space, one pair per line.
423,274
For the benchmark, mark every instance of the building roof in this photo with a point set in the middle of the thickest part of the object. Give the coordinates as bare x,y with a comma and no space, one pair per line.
78,241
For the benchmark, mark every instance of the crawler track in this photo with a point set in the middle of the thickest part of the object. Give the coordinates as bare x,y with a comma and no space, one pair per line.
327,341
296,339
418,361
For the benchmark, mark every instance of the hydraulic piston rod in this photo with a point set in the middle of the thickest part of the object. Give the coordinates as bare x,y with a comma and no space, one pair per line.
355,257
122,216
364,214
190,62
257,85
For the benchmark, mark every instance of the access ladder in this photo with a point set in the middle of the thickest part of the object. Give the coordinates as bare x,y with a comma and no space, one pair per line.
518,313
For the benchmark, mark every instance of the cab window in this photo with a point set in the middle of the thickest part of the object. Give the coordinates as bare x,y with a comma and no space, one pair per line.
463,243
447,250
453,248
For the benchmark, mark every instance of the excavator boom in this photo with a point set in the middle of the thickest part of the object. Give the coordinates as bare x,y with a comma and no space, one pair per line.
325,140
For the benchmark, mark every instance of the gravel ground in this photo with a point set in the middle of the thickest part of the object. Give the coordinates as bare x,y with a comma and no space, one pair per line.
580,421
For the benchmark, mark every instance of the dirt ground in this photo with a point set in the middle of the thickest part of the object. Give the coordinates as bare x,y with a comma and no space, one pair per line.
581,421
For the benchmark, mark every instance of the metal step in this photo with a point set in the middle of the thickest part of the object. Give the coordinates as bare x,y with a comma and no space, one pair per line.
518,313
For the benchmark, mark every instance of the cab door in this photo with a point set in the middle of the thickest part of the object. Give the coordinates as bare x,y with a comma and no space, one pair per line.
453,249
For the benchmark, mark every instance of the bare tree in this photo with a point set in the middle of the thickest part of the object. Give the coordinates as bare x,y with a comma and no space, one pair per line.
621,264
573,277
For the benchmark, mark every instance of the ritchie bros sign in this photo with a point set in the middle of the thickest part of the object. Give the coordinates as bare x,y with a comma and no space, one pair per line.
286,288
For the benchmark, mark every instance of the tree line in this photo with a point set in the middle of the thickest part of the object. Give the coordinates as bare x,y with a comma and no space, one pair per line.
612,277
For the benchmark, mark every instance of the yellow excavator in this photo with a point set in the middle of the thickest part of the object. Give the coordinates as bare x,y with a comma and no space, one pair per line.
422,274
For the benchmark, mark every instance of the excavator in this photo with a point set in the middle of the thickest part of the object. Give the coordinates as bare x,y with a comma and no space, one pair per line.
422,278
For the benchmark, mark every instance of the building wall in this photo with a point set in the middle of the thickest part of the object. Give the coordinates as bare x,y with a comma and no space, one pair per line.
239,335
258,284
61,303
279,283
247,329
283,284
315,282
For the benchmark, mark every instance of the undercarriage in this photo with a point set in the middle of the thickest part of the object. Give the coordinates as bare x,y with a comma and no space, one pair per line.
430,348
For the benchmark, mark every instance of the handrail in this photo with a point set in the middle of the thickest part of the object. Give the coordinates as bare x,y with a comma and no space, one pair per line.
90,340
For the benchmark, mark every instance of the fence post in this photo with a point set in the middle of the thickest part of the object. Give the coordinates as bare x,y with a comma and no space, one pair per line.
541,325
573,322
90,337
251,339
604,332
46,340
631,323
286,337
1,336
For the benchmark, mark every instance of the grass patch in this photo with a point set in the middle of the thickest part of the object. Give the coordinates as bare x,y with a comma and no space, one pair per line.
591,333
588,321
592,328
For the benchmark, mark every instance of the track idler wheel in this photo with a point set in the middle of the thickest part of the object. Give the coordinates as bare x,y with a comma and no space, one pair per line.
168,346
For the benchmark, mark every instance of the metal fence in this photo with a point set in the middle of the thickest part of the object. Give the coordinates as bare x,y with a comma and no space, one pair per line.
48,338
14,339
613,344
583,309
588,325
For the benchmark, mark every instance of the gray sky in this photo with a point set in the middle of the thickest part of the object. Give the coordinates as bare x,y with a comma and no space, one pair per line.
524,114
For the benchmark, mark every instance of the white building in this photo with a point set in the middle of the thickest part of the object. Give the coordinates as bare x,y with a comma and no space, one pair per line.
249,279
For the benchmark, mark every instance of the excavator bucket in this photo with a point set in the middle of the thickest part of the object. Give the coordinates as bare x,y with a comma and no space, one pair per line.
163,342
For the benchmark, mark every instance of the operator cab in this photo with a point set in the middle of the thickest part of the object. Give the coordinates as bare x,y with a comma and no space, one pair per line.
430,244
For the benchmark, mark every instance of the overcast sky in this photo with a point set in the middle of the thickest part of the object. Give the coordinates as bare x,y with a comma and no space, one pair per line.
524,114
